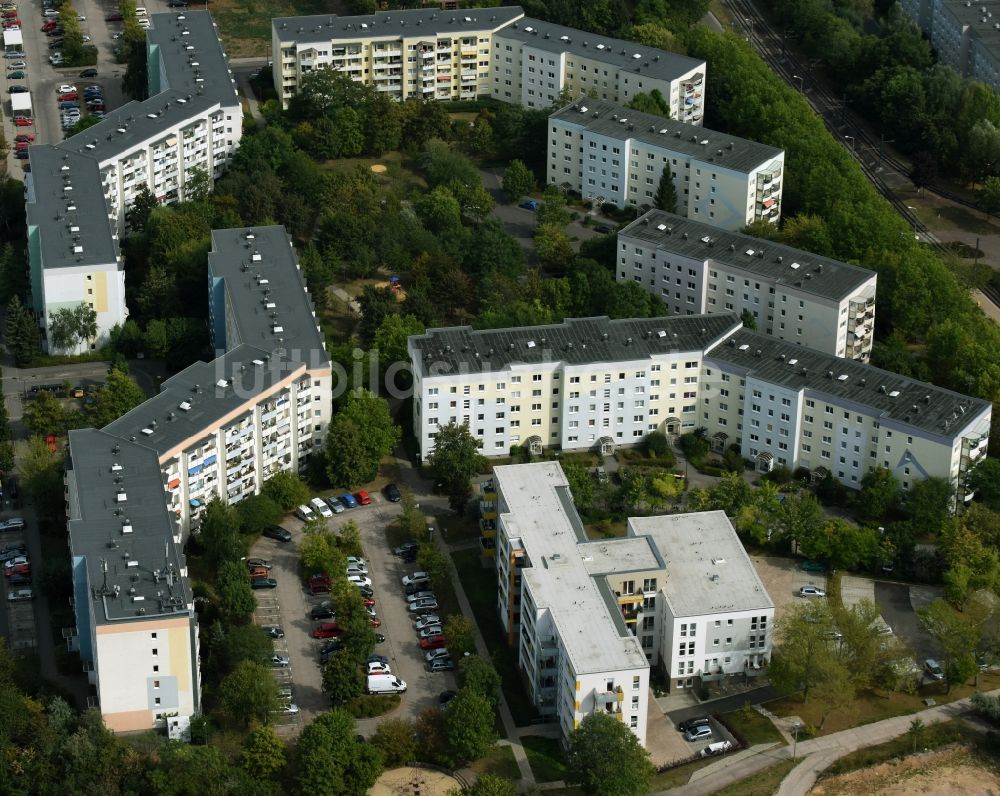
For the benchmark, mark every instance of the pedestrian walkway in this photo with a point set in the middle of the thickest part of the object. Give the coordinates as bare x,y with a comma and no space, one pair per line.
817,754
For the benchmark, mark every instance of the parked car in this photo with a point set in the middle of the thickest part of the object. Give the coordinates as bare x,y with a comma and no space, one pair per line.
273,631
348,501
16,74
328,630
277,532
304,513
365,591
319,584
359,580
263,583
17,569
18,580
392,493
377,667
426,621
279,661
320,506
23,154
357,561
324,610
445,697
441,665
335,505
529,204
698,733
20,595
698,721
23,121
10,54
258,562
418,594
811,591
433,655
416,577
813,566
604,229
356,569
17,89
363,498
422,605
404,548
933,669
258,572
16,561
429,631
377,659
88,73
375,622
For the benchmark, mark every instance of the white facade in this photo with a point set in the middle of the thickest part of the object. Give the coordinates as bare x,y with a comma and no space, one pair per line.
609,153
792,295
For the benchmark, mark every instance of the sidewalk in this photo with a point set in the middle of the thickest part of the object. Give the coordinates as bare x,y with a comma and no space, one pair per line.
817,753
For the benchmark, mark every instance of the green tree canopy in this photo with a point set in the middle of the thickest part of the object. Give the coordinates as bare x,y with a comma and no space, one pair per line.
468,728
330,762
361,434
606,759
518,180
249,693
454,462
120,394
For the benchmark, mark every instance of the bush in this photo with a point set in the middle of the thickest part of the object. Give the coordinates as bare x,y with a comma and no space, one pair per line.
779,475
369,706
802,474
656,444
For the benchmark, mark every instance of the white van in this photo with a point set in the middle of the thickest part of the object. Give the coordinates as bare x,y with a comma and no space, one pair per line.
385,684
304,513
319,505
140,11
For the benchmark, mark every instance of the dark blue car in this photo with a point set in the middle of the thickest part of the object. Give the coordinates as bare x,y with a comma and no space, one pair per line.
348,501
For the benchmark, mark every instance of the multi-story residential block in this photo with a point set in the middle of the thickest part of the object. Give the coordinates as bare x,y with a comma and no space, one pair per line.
186,131
448,55
413,53
589,617
792,294
223,427
584,383
535,61
794,406
610,153
595,384
136,626
965,35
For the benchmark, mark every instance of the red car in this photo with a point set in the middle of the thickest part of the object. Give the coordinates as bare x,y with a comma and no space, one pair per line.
10,13
23,121
368,601
96,106
20,569
376,622
70,97
20,146
319,584
328,630
433,643
12,23
363,498
49,26
28,137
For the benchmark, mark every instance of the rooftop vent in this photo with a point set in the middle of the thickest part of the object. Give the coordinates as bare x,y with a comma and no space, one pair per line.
894,393
842,377
184,406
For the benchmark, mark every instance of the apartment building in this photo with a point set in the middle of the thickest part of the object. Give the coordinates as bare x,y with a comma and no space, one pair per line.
136,627
581,384
610,153
965,35
590,617
791,294
221,428
535,61
421,53
191,125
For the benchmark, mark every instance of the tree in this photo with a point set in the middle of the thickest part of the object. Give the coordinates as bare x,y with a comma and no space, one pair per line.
243,643
318,549
518,180
492,785
236,598
989,196
120,394
330,762
454,462
460,633
45,414
396,739
984,480
555,249
801,658
342,679
218,533
390,345
286,489
666,193
928,505
249,693
468,728
375,303
264,755
21,333
880,494
479,675
606,759
957,636
798,516
258,511
366,430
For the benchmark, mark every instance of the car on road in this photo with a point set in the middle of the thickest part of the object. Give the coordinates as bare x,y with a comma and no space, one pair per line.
88,73
324,610
405,548
429,631
415,577
348,501
20,595
263,583
328,630
273,631
363,498
698,733
433,655
529,204
697,721
811,591
933,669
319,505
279,661
392,493
426,621
441,665
360,580
277,532
335,505
422,605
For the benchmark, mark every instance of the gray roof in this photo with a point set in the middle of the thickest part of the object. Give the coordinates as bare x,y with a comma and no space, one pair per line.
652,62
980,26
576,341
253,317
67,193
708,569
807,272
192,55
915,403
139,527
616,121
198,387
409,22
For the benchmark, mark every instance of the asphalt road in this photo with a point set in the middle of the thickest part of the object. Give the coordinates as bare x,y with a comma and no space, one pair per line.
893,599
757,696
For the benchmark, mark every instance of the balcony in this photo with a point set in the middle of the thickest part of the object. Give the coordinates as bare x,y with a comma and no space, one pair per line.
755,667
615,697
487,547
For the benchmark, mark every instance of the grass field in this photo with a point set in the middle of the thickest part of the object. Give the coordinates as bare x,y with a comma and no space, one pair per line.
499,761
245,25
754,727
763,783
545,755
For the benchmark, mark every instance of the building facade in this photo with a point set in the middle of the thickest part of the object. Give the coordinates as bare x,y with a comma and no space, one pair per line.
596,384
184,134
610,153
136,627
791,294
965,35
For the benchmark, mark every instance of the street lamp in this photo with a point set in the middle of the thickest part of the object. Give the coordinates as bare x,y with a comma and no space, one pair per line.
801,82
795,737
749,21
851,137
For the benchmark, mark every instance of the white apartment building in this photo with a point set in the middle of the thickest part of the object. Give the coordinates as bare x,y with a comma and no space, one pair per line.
590,617
582,384
191,124
610,153
412,53
792,295
595,384
535,61
223,427
136,626
965,35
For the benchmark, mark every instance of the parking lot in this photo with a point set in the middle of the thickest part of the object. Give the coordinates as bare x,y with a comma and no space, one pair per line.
783,577
289,605
19,617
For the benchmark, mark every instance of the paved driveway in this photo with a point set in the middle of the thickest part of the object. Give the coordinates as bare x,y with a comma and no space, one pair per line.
893,600
783,577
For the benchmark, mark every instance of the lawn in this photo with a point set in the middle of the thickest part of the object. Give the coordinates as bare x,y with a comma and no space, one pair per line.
754,727
245,25
481,588
546,758
872,706
675,777
763,783
499,761
931,737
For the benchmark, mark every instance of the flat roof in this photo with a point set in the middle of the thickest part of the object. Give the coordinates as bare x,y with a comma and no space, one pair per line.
708,569
192,402
979,17
192,56
890,395
602,117
395,24
575,341
67,206
541,514
121,524
626,55
775,262
267,292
